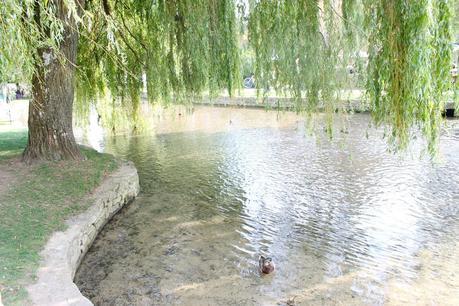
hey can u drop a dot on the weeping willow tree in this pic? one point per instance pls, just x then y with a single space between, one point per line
176 49
409 66
301 44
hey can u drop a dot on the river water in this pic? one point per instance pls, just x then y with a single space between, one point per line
345 221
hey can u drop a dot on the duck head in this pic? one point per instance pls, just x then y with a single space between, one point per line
266 264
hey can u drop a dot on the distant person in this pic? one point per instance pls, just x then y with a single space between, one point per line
19 92
454 73
6 94
2 94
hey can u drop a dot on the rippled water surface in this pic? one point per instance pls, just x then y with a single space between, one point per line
346 222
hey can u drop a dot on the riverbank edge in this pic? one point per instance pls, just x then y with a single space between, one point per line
288 104
64 251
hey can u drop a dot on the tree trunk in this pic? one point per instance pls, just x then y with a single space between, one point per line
50 109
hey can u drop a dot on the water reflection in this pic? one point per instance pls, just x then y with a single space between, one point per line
346 222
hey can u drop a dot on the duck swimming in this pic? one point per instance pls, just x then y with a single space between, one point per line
265 264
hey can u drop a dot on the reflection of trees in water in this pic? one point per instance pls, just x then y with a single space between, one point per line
186 163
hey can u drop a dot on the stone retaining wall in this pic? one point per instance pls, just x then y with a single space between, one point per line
65 250
276 103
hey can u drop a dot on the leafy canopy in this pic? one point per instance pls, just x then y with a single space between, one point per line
177 49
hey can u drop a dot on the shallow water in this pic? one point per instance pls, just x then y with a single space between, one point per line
346 222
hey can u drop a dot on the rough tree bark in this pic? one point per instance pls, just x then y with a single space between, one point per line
50 109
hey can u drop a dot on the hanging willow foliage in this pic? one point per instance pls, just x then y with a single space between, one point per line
409 66
175 49
291 52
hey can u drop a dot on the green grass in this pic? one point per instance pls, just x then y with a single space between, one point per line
12 144
40 199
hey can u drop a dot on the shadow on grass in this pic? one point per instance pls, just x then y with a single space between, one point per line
39 200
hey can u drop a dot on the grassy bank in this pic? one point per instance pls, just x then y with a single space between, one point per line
34 202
